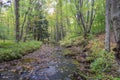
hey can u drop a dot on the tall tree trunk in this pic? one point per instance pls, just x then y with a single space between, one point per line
92 16
57 27
24 21
116 26
16 7
27 30
61 20
22 28
107 36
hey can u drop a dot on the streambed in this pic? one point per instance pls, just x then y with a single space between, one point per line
54 66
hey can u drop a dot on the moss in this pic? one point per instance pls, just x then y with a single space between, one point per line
66 43
76 41
68 53
10 50
28 60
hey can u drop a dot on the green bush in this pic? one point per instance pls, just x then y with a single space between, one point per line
10 50
102 61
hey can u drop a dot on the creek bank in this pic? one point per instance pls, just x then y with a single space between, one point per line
81 57
93 61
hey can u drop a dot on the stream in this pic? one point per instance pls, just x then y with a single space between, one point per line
56 68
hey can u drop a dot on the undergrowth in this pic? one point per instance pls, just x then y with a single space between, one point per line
10 50
102 62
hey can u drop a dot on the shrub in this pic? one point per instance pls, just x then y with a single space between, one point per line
103 61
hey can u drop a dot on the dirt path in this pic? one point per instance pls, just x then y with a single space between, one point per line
45 64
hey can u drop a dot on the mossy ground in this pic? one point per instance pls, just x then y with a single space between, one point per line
10 50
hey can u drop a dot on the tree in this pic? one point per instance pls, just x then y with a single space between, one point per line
85 18
25 19
59 21
41 29
107 37
116 26
17 28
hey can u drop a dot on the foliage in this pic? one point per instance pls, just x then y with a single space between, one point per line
99 22
10 50
41 28
102 61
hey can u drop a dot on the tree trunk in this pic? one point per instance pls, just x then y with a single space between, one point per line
16 7
107 36
57 31
22 28
116 26
85 20
61 20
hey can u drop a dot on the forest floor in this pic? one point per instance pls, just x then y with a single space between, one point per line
71 62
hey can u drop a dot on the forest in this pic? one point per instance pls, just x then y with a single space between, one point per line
59 39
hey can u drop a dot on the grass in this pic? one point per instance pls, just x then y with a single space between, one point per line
10 50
